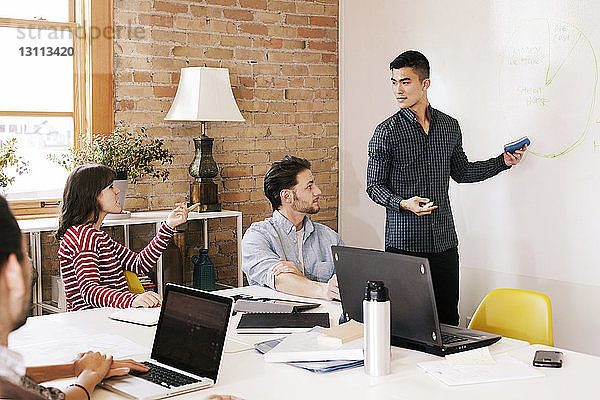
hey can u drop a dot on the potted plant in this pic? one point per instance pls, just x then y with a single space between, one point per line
9 159
132 155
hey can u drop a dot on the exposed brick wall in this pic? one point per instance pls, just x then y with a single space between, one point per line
282 58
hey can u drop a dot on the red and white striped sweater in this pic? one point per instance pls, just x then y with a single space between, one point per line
92 265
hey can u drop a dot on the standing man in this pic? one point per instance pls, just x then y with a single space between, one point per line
288 252
412 156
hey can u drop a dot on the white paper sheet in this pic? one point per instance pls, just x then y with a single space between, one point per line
480 356
65 350
506 368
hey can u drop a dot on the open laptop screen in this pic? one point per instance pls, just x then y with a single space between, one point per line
191 331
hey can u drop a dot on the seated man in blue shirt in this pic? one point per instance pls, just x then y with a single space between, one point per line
288 252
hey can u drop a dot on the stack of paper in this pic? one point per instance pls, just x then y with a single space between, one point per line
305 347
321 367
503 368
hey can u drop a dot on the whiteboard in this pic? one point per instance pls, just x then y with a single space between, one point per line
504 69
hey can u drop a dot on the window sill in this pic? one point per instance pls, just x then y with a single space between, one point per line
35 208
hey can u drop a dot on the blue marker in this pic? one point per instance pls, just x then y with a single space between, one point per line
517 144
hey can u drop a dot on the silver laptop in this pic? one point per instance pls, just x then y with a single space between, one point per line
414 316
188 346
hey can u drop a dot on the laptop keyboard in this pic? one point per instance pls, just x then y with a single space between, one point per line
163 376
448 338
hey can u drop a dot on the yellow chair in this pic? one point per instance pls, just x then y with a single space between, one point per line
133 283
516 313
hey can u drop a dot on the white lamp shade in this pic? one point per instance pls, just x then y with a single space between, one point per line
204 94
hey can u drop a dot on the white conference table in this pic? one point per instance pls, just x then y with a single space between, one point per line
244 373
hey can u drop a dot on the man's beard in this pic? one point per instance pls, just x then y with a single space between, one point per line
307 209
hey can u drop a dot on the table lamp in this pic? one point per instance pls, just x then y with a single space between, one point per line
204 94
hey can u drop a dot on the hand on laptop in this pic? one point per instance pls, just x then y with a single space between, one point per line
92 363
123 367
91 368
285 267
332 291
147 300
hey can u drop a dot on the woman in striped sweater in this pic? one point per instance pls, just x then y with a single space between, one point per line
91 263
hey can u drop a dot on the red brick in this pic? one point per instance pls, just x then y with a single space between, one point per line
164 91
292 19
285 6
323 21
124 105
235 197
222 2
235 41
298 94
210 12
322 45
270 43
254 29
218 53
141 76
315 33
238 15
235 171
172 8
256 4
156 20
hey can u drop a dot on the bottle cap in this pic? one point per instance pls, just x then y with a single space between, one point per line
376 291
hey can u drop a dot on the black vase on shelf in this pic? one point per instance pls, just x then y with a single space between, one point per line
204 271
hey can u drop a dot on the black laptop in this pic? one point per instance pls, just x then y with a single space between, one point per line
188 346
414 316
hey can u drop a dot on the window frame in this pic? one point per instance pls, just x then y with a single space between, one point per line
93 109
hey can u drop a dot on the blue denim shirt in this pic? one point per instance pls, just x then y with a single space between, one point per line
265 242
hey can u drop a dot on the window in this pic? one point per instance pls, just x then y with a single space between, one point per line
47 69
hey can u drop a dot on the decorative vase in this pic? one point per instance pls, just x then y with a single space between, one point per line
204 271
121 182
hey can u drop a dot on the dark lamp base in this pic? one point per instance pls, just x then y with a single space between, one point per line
204 193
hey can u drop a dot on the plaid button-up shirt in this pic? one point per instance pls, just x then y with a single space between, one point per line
404 162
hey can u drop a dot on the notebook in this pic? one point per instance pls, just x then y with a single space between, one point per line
281 322
188 346
266 305
312 366
414 316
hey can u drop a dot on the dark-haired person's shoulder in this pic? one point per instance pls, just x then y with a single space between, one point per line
82 236
388 122
9 390
443 117
324 231
264 226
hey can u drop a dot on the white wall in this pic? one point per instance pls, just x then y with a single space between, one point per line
503 69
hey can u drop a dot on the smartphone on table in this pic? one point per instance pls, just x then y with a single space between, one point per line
547 358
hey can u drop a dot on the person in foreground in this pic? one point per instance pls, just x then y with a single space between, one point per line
92 265
16 381
288 252
412 156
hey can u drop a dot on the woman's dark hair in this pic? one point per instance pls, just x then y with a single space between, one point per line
80 197
10 234
282 175
414 60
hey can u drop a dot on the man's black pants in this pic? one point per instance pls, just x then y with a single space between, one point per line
444 276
